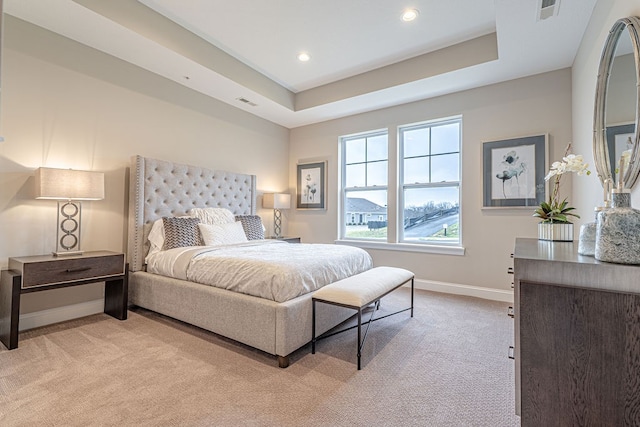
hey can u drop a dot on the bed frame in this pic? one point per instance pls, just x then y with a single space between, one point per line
159 188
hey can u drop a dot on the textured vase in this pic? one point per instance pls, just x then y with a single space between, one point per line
587 237
618 231
557 232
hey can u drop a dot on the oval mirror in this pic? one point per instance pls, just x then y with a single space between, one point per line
615 122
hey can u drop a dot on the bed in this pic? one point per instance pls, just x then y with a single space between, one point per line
278 326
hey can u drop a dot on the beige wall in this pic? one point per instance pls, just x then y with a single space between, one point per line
64 105
528 106
67 106
588 193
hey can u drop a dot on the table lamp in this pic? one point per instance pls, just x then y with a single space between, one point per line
69 187
276 201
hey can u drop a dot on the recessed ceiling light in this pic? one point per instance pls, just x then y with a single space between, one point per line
304 57
410 14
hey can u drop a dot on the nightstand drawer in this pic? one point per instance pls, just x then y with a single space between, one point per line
291 239
288 239
50 270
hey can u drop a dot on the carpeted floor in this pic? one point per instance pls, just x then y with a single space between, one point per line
447 366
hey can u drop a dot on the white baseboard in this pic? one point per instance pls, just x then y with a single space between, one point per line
60 314
471 291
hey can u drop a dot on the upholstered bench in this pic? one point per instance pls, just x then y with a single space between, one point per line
358 292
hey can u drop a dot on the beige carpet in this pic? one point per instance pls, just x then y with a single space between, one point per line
447 366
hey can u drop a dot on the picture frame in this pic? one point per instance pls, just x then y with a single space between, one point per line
513 172
619 139
311 188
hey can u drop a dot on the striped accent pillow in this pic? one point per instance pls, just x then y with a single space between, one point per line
180 232
252 225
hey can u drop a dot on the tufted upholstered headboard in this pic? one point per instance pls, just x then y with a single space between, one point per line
159 188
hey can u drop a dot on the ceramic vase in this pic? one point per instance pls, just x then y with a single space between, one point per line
618 231
587 238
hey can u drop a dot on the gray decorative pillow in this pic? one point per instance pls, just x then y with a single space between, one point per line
252 225
179 232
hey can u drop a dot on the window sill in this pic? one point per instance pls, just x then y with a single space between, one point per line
405 247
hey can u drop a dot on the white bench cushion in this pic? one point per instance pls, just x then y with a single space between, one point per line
364 288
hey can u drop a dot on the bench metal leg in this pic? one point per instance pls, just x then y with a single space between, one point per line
366 331
411 297
359 335
313 326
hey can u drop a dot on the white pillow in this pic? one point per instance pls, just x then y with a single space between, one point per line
222 234
156 237
212 215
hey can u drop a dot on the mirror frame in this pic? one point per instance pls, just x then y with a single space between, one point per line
600 148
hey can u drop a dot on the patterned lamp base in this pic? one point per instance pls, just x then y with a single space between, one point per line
277 223
68 235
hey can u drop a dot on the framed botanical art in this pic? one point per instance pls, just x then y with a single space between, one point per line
513 172
311 192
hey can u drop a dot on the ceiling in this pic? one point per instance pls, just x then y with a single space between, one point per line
363 55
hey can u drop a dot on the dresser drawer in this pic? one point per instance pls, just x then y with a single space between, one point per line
44 271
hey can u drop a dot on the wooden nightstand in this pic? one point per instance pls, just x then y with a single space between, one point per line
39 273
287 239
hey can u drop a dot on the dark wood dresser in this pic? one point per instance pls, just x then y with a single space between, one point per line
577 337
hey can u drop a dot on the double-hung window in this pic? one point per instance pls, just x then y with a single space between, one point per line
364 183
430 182
425 191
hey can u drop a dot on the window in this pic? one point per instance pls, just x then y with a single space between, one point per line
430 182
364 183
427 183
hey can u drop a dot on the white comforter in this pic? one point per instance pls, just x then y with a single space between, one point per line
268 269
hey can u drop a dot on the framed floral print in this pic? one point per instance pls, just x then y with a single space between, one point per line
311 192
514 171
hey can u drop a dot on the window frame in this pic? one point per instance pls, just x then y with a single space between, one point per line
344 189
395 240
402 186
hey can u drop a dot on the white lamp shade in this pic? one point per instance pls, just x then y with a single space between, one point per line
69 184
276 201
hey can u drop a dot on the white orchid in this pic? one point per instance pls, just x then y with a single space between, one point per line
571 163
554 210
575 163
